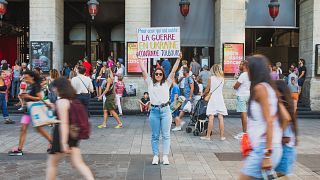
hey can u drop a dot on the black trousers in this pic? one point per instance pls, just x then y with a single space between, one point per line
84 98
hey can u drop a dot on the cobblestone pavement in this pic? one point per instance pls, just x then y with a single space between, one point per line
126 153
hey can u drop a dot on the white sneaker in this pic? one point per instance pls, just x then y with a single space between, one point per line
20 109
165 160
155 160
223 138
205 138
177 128
238 136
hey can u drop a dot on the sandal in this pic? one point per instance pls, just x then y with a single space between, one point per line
101 126
118 126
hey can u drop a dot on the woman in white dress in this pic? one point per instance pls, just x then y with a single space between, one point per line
216 105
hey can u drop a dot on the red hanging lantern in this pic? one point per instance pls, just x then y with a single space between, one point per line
184 7
93 8
274 6
3 8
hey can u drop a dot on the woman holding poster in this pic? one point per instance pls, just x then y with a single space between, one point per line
160 113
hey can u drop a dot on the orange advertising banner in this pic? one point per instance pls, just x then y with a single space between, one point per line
133 60
233 54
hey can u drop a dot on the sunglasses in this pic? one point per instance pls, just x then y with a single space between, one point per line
158 74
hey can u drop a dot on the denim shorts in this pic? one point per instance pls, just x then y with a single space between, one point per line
252 164
288 158
242 103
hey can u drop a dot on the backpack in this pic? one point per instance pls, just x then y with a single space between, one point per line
78 120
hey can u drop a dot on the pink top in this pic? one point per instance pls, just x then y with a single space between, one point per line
119 88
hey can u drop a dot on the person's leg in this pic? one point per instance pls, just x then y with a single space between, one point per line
166 120
141 107
105 118
44 133
23 135
244 117
118 101
155 128
210 125
221 125
116 116
13 86
4 107
52 165
179 119
18 87
79 164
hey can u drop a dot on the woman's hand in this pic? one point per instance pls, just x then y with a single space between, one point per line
100 98
266 163
65 148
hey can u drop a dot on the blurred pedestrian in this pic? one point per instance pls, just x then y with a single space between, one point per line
274 74
264 130
66 70
204 75
166 65
119 88
87 65
216 105
62 141
302 73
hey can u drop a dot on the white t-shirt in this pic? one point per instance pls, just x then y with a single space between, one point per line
82 86
244 89
159 94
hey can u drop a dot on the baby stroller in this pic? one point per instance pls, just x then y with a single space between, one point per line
198 119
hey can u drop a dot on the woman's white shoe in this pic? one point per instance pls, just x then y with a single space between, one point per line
155 160
165 160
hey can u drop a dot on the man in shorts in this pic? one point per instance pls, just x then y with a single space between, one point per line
242 88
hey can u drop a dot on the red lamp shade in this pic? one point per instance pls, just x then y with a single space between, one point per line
93 7
274 8
184 7
3 8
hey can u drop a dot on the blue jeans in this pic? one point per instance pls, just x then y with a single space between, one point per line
160 119
252 164
289 156
15 87
3 104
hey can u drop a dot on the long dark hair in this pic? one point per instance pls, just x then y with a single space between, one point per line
36 77
287 101
258 73
154 76
64 88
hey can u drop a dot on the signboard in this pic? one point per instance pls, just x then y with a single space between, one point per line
41 55
233 54
160 42
133 60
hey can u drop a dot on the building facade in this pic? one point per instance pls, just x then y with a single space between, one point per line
209 25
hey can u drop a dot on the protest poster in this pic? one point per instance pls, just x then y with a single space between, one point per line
233 54
158 42
133 60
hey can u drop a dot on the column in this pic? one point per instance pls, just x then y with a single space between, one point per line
46 24
229 24
309 36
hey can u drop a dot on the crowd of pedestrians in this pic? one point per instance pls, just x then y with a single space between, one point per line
266 99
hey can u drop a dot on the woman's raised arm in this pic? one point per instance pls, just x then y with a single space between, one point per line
144 71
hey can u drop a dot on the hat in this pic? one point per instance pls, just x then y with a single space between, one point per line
99 62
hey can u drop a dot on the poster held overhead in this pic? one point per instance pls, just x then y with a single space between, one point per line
158 42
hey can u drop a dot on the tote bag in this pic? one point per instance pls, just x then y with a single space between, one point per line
41 114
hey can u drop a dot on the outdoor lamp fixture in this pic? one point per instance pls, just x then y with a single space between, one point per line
3 8
184 7
93 8
274 6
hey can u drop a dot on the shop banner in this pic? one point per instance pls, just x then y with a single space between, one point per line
133 60
159 42
233 54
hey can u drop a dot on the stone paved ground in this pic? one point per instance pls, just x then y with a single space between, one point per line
126 153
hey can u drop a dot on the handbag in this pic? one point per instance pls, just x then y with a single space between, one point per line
187 107
208 96
245 145
41 114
